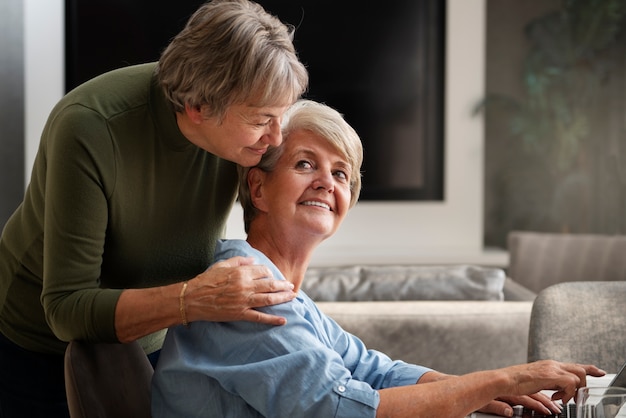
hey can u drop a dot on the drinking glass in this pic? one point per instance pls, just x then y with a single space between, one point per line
601 402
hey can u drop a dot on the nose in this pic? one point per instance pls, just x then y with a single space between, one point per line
324 180
274 136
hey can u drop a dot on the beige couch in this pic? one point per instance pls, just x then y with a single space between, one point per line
458 319
455 325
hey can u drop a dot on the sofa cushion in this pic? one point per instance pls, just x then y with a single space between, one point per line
390 283
541 259
451 337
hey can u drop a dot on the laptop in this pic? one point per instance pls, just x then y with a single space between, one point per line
609 380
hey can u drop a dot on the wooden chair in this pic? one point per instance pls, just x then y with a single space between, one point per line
107 380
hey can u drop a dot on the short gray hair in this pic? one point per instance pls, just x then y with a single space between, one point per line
231 52
322 120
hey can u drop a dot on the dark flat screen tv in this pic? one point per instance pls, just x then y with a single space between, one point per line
380 64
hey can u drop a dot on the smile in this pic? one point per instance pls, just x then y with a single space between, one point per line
259 151
319 204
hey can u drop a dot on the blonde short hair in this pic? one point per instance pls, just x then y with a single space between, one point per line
322 120
231 52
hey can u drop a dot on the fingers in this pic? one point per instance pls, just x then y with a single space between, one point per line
541 403
538 402
562 378
265 285
231 289
239 274
592 370
263 318
234 262
580 371
578 378
261 299
499 408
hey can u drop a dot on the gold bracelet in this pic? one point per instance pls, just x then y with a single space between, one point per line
181 299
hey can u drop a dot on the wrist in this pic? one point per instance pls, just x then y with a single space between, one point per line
182 305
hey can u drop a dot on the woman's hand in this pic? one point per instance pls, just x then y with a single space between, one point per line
503 406
514 385
538 402
230 289
562 378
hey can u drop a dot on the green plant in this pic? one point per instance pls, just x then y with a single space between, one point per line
558 121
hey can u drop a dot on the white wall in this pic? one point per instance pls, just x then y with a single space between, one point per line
44 67
374 232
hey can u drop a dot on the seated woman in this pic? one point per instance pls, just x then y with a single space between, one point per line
295 198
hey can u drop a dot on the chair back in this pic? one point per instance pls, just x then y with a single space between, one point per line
581 322
107 380
540 259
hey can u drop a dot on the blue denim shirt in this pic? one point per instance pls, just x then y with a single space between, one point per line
309 367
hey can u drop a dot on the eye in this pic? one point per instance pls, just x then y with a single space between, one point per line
341 174
304 165
264 123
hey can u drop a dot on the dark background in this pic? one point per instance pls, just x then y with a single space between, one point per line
381 66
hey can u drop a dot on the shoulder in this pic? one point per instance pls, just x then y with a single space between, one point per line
228 248
85 111
113 92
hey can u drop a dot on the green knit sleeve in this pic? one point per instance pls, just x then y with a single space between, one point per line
80 174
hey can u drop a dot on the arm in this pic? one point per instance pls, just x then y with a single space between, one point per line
226 359
108 257
503 405
317 369
458 396
228 291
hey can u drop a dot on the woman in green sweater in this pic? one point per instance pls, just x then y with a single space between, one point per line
131 187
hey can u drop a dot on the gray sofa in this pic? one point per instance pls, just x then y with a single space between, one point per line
455 319
458 319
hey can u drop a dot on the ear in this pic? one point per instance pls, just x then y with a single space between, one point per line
194 113
256 179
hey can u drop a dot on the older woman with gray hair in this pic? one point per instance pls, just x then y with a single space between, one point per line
295 198
133 183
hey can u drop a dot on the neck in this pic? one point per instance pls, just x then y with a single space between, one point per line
290 257
189 129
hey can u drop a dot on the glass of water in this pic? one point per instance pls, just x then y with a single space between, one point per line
601 402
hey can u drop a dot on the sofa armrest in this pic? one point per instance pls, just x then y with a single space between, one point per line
514 291
449 336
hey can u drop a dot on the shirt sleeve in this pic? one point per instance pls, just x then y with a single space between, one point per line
309 367
76 217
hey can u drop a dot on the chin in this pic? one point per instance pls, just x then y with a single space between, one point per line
247 161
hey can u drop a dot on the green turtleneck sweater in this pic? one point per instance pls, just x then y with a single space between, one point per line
118 199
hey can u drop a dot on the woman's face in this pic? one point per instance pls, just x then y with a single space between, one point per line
243 134
308 192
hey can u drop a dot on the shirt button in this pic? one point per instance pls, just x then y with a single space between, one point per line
341 389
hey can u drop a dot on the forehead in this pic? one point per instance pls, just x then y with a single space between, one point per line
306 141
248 110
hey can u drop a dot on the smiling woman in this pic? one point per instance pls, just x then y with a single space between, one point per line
308 190
296 197
133 208
243 133
312 119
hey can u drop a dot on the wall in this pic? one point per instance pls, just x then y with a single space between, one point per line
374 232
431 232
559 168
11 107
